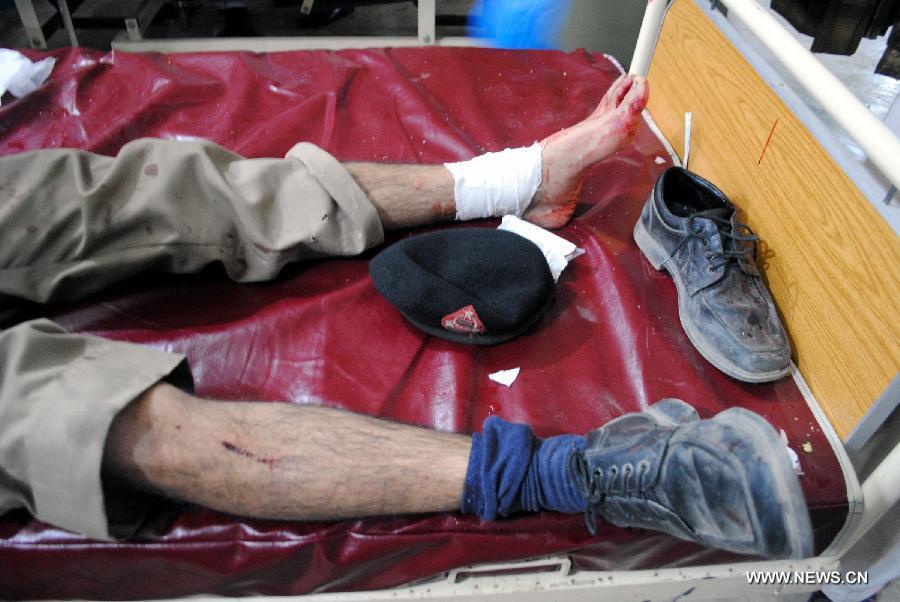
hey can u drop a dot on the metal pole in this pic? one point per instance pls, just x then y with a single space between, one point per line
67 21
427 14
880 493
646 42
31 23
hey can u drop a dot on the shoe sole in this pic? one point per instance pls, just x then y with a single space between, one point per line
797 524
658 257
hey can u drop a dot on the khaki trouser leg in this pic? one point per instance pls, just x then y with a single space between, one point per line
72 222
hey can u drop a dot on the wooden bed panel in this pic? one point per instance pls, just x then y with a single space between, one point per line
832 262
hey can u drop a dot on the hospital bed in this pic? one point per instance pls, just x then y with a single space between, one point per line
611 344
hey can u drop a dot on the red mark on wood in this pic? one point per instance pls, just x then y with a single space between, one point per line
768 140
270 462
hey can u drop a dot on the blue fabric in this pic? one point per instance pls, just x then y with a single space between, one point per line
520 23
511 470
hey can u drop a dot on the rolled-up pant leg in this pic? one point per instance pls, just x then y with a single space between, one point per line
71 223
59 393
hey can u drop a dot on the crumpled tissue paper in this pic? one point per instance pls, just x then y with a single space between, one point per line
19 75
557 251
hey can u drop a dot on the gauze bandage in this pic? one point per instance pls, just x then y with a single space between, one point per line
496 184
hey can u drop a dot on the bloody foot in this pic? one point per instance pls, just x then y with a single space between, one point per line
568 154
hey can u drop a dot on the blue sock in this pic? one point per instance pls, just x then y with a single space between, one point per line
512 470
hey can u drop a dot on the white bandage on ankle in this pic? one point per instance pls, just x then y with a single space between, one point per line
496 184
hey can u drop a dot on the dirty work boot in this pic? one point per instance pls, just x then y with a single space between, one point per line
726 482
689 228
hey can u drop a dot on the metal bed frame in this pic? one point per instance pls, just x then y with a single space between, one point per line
37 32
133 40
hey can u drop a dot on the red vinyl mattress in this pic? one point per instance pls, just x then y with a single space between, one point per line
320 334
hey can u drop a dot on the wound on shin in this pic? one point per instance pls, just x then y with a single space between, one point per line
270 462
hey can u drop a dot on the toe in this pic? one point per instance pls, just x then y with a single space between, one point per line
625 88
636 99
613 95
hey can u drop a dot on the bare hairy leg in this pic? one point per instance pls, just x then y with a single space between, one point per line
284 461
406 195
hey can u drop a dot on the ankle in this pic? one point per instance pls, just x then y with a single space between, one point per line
511 470
547 484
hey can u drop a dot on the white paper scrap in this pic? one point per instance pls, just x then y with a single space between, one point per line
795 459
19 76
505 377
688 118
659 160
557 251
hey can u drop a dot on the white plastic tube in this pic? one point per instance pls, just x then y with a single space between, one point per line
649 34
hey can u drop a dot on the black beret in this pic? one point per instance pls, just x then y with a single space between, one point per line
469 285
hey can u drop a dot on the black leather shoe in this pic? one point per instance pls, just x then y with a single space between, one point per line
689 228
726 482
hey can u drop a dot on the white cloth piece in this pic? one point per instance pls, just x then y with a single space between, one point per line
505 377
19 76
795 459
557 251
496 184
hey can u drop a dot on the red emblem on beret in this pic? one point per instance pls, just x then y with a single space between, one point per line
463 320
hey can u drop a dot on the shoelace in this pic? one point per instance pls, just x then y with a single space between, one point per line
732 249
595 485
